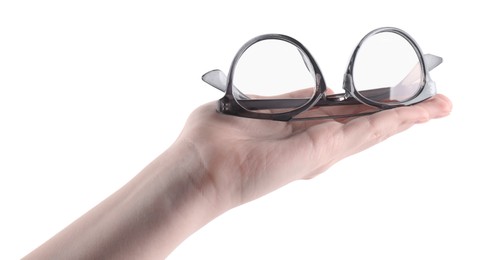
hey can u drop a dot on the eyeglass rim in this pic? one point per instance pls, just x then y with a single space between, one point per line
422 94
229 104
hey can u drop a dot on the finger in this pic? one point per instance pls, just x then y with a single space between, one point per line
328 142
438 106
367 131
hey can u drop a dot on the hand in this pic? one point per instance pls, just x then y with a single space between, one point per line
247 158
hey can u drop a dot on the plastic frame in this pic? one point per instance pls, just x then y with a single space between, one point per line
231 102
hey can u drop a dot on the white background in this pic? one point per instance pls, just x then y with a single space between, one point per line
92 91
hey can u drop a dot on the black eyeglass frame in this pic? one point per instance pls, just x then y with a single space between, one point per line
229 104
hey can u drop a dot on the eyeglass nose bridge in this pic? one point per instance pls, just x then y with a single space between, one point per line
348 86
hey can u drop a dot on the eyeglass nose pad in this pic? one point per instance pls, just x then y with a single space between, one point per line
348 84
308 64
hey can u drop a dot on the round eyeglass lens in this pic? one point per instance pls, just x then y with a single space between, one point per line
273 76
387 69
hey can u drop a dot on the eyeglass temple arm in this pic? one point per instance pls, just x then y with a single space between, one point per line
432 61
217 79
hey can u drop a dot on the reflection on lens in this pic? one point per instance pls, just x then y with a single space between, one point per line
273 76
387 69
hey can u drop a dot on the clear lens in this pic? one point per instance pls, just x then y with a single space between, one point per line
273 76
387 69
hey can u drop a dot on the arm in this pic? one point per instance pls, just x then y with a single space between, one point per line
220 162
145 219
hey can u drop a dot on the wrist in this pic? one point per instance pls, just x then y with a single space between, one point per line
182 169
179 187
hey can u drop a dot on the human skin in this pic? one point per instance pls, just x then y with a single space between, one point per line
217 163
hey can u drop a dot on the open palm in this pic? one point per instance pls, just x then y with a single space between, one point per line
247 158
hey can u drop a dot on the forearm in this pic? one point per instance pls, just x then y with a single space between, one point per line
147 218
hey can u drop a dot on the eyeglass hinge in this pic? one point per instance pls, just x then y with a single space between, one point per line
224 105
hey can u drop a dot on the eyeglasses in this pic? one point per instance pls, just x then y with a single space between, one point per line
274 76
